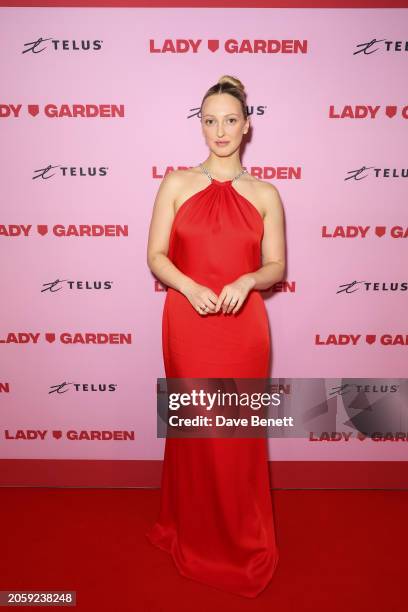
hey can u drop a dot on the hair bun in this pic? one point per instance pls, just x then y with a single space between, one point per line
230 85
226 78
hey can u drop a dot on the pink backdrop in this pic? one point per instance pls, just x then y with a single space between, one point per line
106 171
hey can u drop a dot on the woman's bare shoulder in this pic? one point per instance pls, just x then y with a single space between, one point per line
181 175
185 183
179 185
257 191
260 185
267 192
180 180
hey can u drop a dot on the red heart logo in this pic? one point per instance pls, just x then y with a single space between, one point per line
380 230
390 111
33 109
370 338
50 337
57 434
213 44
42 229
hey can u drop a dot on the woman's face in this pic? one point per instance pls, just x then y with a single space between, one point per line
222 121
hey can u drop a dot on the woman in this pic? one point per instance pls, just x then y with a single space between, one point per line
216 238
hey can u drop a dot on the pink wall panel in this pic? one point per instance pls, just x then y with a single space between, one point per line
321 110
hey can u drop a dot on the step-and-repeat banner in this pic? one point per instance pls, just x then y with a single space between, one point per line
97 106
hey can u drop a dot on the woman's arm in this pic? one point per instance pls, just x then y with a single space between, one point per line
159 234
273 243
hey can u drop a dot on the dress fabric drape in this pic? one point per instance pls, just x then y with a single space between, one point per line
216 516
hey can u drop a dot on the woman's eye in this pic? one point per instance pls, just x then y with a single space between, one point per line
208 121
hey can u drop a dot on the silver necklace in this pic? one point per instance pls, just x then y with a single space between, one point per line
204 169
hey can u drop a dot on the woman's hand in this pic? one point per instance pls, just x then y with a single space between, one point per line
234 294
202 298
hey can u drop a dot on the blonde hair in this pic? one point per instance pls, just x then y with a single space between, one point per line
231 85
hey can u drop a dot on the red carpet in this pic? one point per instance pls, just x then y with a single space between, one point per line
339 551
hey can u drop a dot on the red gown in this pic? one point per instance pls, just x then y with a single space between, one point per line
216 516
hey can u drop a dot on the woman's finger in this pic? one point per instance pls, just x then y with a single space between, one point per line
220 300
232 303
210 305
237 306
213 298
201 309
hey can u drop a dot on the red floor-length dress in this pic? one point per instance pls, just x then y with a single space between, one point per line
216 516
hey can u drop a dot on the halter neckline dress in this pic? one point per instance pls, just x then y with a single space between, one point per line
216 516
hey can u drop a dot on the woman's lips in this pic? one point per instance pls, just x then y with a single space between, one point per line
222 142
